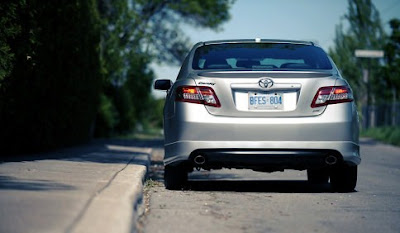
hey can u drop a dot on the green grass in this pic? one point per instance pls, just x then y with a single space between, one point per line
386 134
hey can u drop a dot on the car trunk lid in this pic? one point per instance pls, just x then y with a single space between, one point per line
244 94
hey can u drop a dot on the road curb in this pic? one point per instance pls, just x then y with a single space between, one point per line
117 207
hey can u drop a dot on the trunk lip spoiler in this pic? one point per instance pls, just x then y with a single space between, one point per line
261 74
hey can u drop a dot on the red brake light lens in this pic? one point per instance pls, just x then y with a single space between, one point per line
197 95
332 95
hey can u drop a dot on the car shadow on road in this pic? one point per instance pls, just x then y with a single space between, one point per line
232 183
266 186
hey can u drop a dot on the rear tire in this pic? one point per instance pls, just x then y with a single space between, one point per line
175 177
318 176
344 178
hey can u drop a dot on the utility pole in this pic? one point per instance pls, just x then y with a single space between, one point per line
368 54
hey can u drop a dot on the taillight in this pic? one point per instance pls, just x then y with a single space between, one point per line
332 95
198 95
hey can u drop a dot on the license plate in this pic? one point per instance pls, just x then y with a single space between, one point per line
261 101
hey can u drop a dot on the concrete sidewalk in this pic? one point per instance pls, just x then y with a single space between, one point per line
92 188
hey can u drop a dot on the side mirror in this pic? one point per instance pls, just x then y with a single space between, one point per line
163 84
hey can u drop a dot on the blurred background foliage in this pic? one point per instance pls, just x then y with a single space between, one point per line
365 31
71 70
377 97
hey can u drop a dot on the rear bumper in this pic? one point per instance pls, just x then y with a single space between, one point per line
264 160
192 129
347 152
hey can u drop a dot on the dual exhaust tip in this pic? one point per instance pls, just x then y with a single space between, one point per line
201 160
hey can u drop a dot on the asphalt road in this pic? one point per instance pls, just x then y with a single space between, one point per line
245 201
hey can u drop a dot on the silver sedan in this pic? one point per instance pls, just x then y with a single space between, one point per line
266 105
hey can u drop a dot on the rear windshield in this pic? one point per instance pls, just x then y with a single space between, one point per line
260 56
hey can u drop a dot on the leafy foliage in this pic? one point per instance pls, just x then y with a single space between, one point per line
49 98
386 134
11 28
134 34
391 71
71 69
365 32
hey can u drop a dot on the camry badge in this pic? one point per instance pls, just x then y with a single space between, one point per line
206 83
266 83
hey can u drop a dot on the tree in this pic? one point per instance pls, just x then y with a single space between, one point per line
391 71
365 32
11 27
135 33
50 95
161 23
343 55
68 65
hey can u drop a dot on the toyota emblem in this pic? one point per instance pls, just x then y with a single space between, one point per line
266 83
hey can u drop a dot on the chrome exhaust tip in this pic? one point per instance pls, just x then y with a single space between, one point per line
199 160
331 160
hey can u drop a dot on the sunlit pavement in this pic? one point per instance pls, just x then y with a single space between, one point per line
247 201
92 188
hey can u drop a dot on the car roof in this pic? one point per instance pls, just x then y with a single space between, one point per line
257 40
